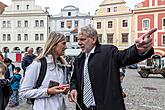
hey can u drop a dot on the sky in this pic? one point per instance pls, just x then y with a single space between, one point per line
85 6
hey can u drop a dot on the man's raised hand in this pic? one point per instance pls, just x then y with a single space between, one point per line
144 42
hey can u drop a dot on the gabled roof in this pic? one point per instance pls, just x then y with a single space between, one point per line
108 2
2 7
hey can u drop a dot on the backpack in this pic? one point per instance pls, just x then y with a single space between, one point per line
41 75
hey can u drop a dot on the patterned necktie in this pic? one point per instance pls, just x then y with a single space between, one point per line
87 90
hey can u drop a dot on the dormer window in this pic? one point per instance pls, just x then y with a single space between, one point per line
115 9
108 9
27 7
69 13
17 7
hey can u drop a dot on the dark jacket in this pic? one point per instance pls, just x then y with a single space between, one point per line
103 67
27 60
5 92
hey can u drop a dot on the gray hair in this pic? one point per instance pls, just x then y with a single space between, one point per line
88 31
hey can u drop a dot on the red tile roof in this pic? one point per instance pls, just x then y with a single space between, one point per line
2 7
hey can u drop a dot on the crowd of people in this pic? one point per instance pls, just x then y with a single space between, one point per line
93 84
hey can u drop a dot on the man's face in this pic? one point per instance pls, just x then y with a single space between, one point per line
86 43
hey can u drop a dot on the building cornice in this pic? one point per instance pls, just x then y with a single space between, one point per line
148 10
115 15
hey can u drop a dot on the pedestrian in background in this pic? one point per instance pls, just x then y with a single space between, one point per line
5 89
15 85
10 68
95 83
26 61
50 95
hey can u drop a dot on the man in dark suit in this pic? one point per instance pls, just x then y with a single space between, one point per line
103 90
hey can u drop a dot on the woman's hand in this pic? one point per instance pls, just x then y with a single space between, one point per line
65 87
58 89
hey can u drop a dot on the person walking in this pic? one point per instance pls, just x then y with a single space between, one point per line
95 83
50 95
15 85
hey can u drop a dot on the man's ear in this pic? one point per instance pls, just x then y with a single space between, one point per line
94 40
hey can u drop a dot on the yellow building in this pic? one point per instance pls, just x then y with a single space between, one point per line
114 23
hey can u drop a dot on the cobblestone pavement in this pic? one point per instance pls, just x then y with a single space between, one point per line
143 93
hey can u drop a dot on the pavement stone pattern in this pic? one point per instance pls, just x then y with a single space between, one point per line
143 93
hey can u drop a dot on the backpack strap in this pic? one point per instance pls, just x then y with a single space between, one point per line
42 72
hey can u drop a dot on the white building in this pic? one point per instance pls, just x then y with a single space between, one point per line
68 22
22 25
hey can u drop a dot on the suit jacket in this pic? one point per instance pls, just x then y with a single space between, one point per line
103 67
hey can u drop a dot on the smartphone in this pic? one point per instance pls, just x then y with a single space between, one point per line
53 83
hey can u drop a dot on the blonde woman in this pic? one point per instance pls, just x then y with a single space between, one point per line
48 98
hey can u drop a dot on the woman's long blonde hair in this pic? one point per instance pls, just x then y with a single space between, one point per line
50 45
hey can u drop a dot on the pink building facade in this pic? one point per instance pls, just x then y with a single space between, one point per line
149 14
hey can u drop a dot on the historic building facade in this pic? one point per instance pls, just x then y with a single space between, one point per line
149 14
23 25
114 23
68 22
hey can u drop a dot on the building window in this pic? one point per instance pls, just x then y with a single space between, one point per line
25 37
27 7
8 24
41 23
4 37
8 37
98 25
115 9
145 23
125 23
164 22
19 37
4 24
163 39
36 23
110 38
110 24
74 38
36 37
62 24
41 37
19 24
124 37
67 38
100 38
76 23
17 7
108 9
26 23
69 24
69 13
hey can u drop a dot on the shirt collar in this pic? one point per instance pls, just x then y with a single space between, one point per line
92 51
